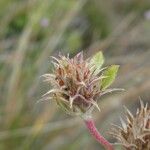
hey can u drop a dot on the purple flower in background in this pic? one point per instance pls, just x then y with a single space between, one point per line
44 22
147 15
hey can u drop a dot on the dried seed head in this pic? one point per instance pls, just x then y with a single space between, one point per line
135 134
76 83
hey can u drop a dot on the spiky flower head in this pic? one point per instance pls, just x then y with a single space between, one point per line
78 83
135 134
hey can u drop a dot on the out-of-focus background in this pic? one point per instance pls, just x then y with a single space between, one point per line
33 30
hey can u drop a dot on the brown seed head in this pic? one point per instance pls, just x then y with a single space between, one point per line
135 134
75 84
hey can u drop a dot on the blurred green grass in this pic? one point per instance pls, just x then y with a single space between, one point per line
33 30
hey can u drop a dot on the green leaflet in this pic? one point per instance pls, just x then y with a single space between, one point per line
110 74
97 61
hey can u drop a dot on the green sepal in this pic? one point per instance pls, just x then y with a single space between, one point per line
110 74
97 61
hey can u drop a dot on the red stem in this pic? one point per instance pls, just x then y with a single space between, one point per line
91 127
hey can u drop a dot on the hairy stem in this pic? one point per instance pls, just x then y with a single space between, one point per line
93 130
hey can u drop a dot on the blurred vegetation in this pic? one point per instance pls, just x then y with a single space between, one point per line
33 30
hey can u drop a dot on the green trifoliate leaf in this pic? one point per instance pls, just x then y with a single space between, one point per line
97 61
110 73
